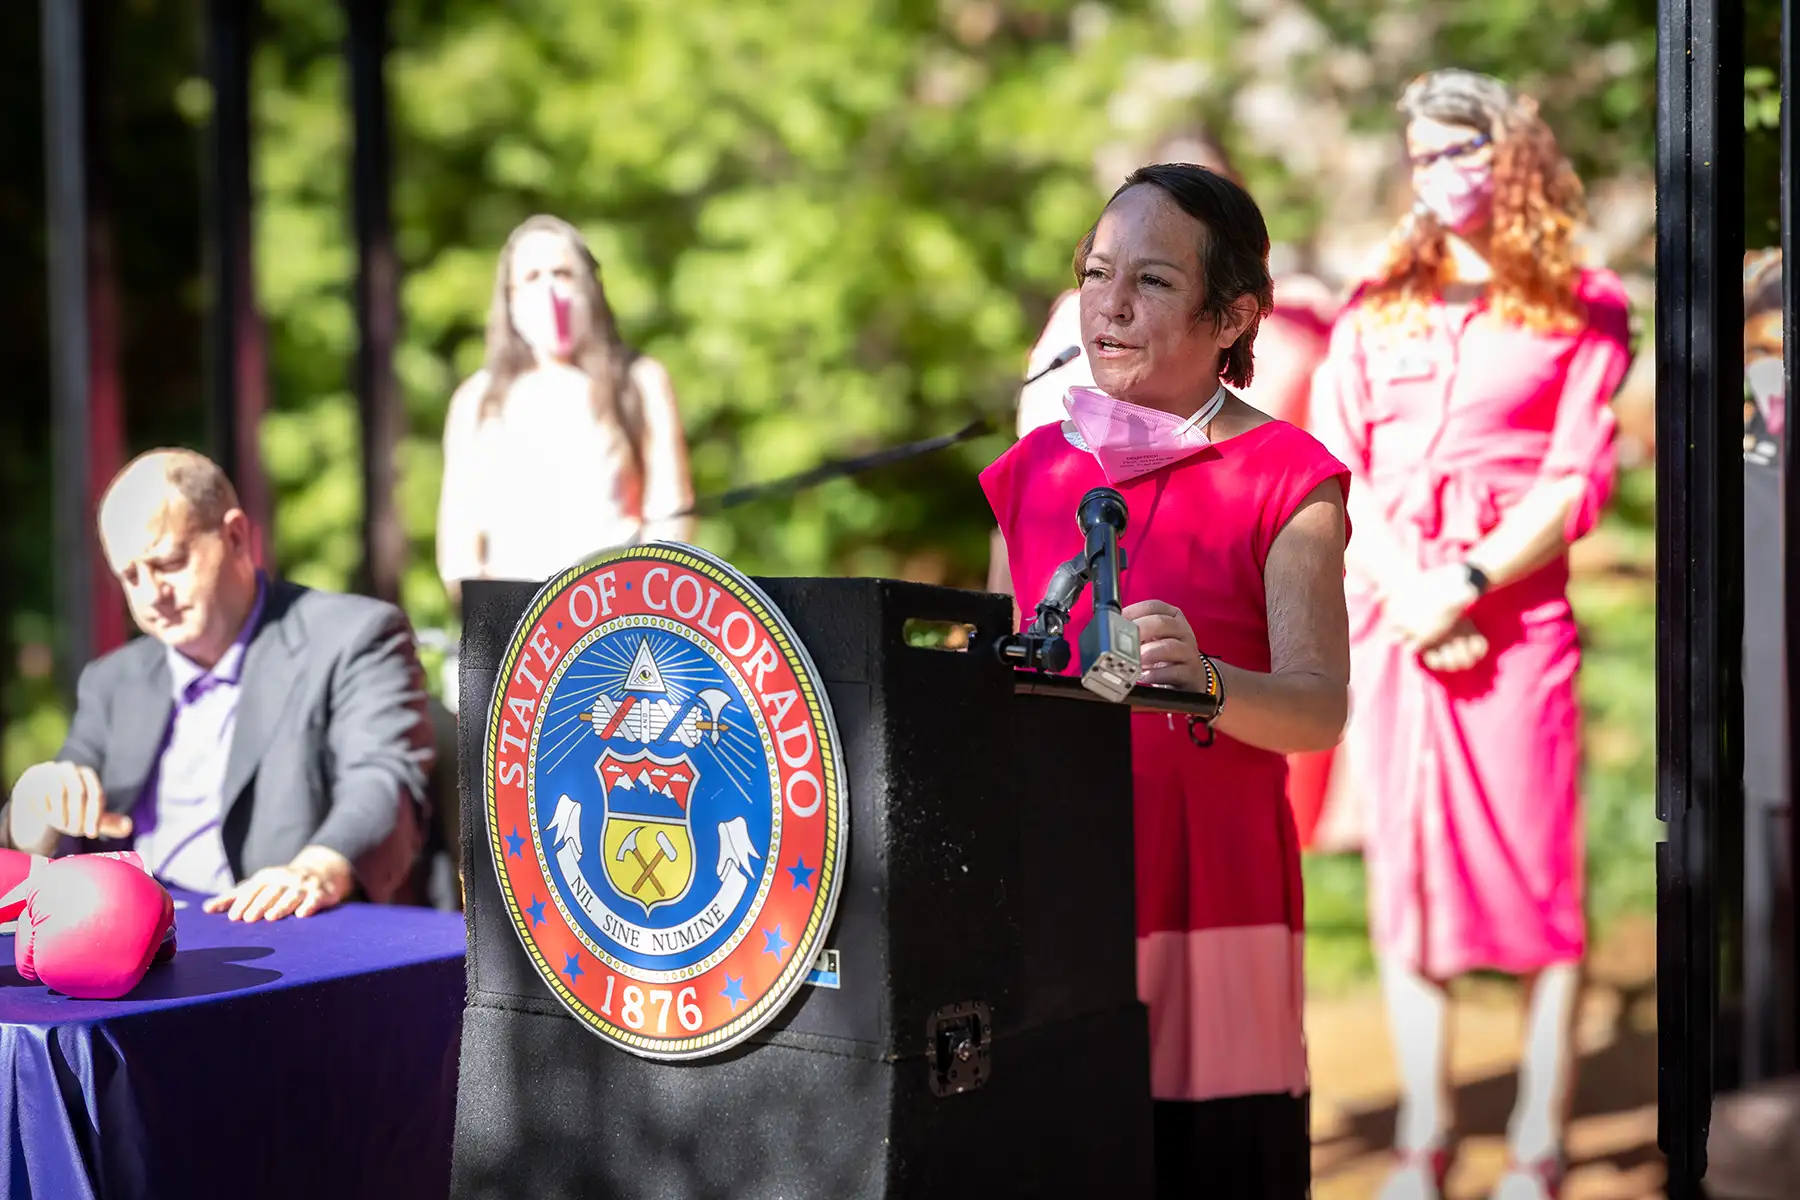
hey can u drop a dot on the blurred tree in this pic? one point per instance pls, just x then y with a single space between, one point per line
837 222
150 158
1762 123
1590 63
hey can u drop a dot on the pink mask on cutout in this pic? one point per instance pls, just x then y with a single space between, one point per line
1129 440
1456 194
559 312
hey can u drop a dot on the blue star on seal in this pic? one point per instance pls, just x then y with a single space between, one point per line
773 943
536 909
734 991
802 874
572 967
515 844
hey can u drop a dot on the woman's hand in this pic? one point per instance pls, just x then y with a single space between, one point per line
1459 650
1170 657
1427 607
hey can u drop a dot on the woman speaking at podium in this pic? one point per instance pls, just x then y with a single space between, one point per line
566 438
1235 563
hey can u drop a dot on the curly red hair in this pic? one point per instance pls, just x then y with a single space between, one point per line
1537 203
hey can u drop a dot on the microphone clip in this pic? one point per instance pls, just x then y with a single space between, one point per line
1043 646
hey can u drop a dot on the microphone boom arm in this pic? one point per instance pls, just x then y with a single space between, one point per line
839 468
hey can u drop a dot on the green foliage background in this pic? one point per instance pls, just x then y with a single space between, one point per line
834 221
839 222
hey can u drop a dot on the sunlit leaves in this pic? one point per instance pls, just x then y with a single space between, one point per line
837 222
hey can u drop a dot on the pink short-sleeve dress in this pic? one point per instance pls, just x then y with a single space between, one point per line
1470 779
1219 908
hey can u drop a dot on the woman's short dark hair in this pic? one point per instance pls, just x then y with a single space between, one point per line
1233 251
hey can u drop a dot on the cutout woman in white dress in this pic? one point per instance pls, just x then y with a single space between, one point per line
567 441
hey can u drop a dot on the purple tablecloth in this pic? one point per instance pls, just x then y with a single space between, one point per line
311 1058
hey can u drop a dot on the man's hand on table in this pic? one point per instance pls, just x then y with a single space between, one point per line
316 880
54 798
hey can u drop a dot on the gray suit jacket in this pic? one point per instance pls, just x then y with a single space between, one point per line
332 745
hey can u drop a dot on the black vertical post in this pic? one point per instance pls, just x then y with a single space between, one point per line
1699 563
65 145
377 299
237 381
105 380
1790 455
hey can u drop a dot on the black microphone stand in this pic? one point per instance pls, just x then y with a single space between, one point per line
1110 652
1109 645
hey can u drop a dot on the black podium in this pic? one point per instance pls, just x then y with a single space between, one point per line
985 1038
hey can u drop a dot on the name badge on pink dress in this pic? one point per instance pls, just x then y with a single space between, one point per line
1405 365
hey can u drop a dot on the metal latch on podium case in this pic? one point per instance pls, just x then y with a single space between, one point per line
958 1041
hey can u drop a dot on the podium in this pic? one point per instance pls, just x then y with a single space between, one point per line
983 1037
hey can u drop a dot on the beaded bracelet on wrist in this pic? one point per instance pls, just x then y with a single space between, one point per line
1215 687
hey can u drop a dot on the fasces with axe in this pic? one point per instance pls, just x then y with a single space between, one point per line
665 852
646 721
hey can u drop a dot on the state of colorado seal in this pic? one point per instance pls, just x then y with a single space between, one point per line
665 799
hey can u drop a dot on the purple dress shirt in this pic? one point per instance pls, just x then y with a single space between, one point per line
177 821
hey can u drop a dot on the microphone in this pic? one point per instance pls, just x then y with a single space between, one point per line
1069 355
1110 658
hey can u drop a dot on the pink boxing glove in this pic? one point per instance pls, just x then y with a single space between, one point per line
15 868
93 924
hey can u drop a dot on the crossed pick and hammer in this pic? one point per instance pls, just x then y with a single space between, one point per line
665 851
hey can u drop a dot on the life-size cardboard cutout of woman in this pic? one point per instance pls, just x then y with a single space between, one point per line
1469 387
567 441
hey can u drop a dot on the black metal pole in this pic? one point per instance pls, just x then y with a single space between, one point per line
237 381
377 299
106 378
1790 491
65 155
1699 562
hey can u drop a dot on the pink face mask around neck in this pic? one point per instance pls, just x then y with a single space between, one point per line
1129 440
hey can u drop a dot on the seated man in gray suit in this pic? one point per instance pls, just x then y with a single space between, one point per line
266 744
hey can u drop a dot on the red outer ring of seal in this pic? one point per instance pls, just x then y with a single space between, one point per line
753 982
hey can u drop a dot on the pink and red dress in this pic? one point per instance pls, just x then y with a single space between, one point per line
1219 901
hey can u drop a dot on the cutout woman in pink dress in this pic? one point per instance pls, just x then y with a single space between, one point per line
567 441
1235 561
1468 387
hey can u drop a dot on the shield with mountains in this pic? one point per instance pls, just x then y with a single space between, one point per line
648 845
